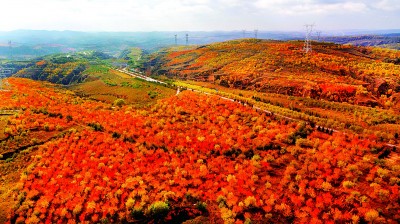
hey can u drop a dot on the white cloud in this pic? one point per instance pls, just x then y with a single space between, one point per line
388 5
293 7
101 14
148 15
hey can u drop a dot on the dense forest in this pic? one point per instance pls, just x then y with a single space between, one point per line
212 161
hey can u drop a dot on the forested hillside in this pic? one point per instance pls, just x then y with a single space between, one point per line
341 73
62 68
189 157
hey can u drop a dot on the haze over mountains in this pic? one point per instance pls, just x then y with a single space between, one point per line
27 44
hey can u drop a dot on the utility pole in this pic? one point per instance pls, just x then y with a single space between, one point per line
187 39
255 33
176 39
307 43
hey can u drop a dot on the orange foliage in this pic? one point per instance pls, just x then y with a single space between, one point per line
117 164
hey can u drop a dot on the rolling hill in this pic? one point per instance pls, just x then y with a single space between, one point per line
90 74
340 73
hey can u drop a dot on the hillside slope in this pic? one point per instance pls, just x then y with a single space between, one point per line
190 156
387 40
90 74
107 85
62 68
364 76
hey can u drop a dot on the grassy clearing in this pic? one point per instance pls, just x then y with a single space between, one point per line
108 85
135 58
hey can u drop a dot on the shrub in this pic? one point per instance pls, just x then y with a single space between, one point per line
250 201
8 131
355 218
326 186
348 184
34 141
46 127
353 168
130 203
69 118
303 142
159 209
77 210
152 94
96 126
202 206
247 221
59 128
119 102
383 194
256 157
371 215
116 135
382 172
227 215
221 200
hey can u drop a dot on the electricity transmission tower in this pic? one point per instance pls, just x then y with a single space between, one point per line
244 33
9 48
307 43
318 35
255 33
176 39
187 39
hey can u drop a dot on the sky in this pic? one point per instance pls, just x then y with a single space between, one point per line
198 15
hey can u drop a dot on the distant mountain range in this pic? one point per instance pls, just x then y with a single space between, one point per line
26 44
